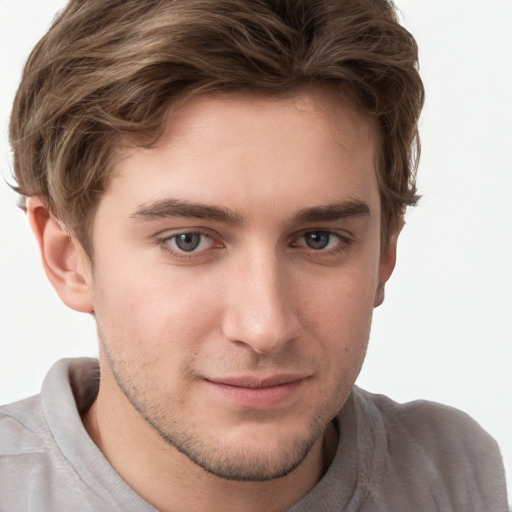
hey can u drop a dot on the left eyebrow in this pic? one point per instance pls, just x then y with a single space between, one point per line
169 208
334 211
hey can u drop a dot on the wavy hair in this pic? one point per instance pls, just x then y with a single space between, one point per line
111 69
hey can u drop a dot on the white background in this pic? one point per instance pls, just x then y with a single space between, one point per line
444 332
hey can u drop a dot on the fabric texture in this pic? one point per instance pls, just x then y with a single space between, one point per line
391 457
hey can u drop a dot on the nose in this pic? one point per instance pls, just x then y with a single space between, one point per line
261 305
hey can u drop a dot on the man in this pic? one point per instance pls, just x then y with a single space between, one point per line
222 184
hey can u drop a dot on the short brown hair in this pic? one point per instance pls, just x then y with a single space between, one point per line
108 69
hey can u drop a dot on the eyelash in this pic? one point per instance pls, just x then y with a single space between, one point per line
344 241
165 242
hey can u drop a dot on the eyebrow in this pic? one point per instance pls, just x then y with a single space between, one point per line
171 208
334 211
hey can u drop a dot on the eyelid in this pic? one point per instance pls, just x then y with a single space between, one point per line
342 234
345 239
164 238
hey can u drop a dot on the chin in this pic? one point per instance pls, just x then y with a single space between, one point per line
248 462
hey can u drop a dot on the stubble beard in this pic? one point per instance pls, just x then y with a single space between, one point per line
237 464
226 462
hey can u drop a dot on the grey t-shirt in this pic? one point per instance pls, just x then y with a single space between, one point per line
415 457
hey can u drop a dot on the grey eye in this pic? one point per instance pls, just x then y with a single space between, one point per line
188 242
317 239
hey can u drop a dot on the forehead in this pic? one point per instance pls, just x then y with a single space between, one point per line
319 106
243 150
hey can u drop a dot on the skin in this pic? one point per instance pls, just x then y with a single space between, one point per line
281 198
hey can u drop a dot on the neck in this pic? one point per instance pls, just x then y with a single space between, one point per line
170 482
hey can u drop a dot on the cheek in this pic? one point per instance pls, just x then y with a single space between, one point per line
343 304
339 316
148 313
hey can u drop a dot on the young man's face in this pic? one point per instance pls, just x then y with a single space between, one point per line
236 267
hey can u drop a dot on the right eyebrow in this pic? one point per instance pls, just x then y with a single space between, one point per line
335 211
169 208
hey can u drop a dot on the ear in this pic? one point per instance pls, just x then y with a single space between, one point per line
64 260
387 264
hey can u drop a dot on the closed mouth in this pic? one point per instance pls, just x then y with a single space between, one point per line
253 382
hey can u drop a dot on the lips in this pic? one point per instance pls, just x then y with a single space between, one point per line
258 383
251 392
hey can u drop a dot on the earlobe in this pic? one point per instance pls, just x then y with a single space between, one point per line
386 266
64 260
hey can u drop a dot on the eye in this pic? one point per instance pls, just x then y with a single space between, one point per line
189 242
319 240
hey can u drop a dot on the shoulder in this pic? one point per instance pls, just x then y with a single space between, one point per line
25 463
431 425
34 473
433 452
22 427
32 425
